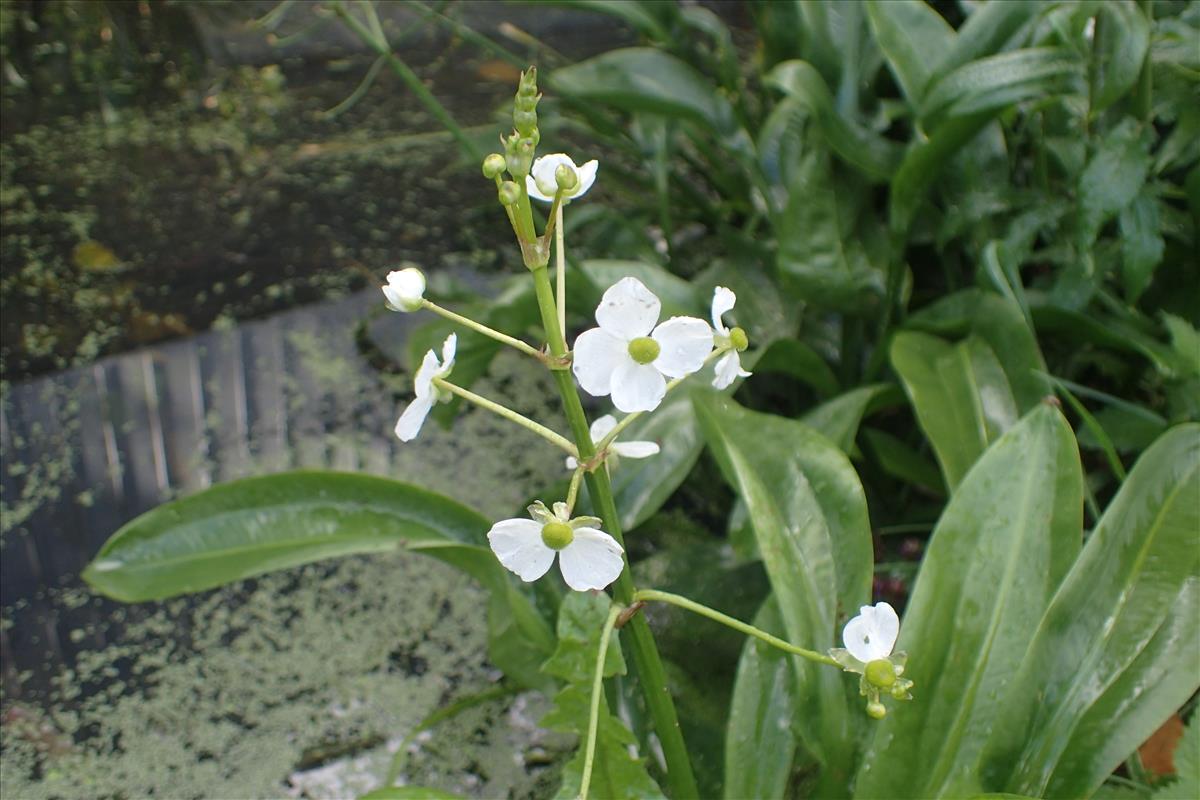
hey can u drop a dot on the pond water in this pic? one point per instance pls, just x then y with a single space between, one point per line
187 286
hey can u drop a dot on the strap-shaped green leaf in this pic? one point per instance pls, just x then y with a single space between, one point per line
912 36
1006 539
809 517
959 393
244 528
1116 651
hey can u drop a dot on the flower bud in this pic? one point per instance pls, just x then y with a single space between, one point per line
510 193
565 177
405 289
493 166
519 155
876 710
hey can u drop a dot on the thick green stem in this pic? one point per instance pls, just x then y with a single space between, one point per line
646 660
650 595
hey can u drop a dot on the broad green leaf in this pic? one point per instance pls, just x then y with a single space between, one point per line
641 486
1105 331
759 743
1112 178
646 79
1141 245
867 152
1000 322
247 527
990 84
959 105
615 773
1117 649
838 419
911 35
1003 544
410 793
1186 784
820 260
991 27
809 516
1122 39
581 618
794 357
960 395
634 14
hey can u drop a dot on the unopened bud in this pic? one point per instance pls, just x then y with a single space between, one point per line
510 193
519 155
876 710
493 165
565 177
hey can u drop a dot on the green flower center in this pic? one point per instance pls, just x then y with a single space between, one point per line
739 340
557 535
643 349
879 672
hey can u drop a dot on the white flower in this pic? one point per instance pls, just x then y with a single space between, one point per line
542 185
872 634
405 289
601 428
588 557
628 357
410 422
729 366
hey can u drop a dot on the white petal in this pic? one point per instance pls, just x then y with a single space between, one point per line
591 561
597 356
518 545
572 463
628 309
405 289
637 387
872 634
449 347
723 300
540 182
729 369
587 176
423 383
635 449
410 422
602 427
685 343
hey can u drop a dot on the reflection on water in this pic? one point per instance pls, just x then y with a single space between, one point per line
86 450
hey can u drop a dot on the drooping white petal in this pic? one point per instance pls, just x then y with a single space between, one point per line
518 545
601 427
637 387
449 348
597 356
405 289
587 176
872 634
628 309
540 182
728 369
410 422
423 382
685 342
723 300
635 449
591 561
